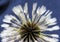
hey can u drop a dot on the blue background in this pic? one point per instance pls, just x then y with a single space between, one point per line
7 5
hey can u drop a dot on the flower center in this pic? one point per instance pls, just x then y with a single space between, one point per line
29 31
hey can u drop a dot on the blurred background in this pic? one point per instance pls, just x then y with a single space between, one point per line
7 5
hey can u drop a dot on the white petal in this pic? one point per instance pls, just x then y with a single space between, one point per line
15 25
5 40
26 8
12 41
33 17
18 37
23 18
36 41
9 39
16 20
8 17
38 10
41 20
8 33
42 27
55 35
49 14
52 24
41 10
53 28
26 12
8 28
6 20
28 18
50 21
17 10
20 40
34 8
50 39
44 18
48 17
5 25
33 11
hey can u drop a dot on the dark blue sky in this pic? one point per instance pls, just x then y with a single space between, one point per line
7 5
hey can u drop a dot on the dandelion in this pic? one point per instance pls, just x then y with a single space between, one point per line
26 29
